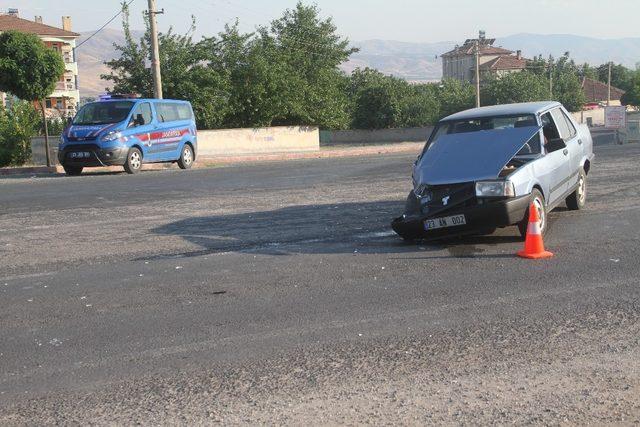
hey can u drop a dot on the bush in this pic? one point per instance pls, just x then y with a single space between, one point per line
18 125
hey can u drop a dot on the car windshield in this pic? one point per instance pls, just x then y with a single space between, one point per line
490 123
103 113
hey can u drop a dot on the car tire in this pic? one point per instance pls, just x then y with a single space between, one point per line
133 164
73 170
186 157
578 199
536 198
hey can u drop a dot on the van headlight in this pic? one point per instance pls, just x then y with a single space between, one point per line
495 189
111 136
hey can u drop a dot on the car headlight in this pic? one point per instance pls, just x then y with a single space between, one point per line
495 189
111 136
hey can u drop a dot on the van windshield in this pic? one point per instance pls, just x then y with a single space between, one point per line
103 113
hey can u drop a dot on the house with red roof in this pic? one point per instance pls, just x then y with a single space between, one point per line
460 62
66 96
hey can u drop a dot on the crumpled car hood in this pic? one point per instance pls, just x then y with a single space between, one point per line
472 156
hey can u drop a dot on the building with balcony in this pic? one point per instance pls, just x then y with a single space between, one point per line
66 96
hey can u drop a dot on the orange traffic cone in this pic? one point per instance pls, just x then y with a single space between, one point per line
534 246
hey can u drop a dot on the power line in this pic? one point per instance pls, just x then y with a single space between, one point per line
104 26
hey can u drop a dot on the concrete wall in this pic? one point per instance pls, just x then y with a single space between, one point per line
231 142
227 142
38 153
380 136
597 116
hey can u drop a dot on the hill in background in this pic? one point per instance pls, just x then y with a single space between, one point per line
411 61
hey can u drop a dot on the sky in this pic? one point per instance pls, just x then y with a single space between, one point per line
402 20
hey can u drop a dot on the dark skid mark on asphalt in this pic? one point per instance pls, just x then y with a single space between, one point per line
313 229
306 229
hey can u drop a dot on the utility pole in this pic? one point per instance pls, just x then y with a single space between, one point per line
550 80
609 86
155 50
477 55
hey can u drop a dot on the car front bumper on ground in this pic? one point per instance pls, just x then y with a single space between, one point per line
89 155
481 217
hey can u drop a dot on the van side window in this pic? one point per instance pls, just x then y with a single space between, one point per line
184 112
173 111
142 115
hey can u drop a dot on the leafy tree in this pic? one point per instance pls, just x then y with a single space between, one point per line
380 101
29 70
632 96
309 51
455 96
621 76
524 86
186 73
567 89
18 124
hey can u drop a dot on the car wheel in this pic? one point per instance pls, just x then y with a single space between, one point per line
186 158
578 199
134 161
72 170
536 199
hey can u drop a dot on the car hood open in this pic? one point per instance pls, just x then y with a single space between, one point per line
472 156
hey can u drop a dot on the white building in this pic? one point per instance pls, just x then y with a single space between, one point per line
66 97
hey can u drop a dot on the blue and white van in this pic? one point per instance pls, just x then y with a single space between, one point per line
128 132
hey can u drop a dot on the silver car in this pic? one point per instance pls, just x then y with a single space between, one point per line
482 168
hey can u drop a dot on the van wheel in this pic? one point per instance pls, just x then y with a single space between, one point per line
538 200
73 170
134 161
578 199
186 157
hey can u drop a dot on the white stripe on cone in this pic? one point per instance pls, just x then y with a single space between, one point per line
534 228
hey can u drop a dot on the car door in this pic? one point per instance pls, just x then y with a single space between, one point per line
575 146
142 127
555 169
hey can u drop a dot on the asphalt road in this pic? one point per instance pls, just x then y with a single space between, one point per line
276 293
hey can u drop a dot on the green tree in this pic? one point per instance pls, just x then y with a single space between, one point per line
18 124
29 70
524 86
455 96
632 96
621 76
185 67
308 51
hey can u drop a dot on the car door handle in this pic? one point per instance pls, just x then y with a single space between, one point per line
565 152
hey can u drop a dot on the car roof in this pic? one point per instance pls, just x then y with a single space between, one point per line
503 110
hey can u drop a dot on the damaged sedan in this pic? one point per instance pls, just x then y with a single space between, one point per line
482 168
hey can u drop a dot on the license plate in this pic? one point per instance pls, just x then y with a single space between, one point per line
80 155
448 221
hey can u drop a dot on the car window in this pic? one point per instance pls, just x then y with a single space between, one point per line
184 112
167 111
566 132
572 129
552 139
484 123
143 111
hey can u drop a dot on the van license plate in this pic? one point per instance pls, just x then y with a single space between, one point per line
448 221
80 155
